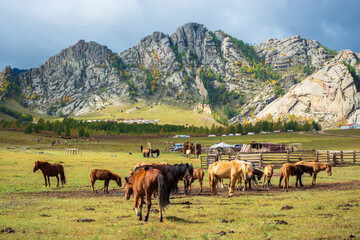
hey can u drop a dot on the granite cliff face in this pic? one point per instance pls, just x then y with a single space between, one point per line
330 95
194 66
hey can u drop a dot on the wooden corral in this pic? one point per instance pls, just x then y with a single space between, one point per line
279 158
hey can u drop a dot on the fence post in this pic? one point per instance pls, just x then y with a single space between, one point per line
261 160
341 157
327 156
300 158
334 158
288 156
317 155
354 157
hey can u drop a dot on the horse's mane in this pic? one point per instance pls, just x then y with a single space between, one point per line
177 170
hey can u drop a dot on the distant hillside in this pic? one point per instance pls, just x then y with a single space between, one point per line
193 66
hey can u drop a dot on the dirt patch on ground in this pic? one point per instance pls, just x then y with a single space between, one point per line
222 192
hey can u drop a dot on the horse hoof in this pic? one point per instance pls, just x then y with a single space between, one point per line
231 194
145 219
160 220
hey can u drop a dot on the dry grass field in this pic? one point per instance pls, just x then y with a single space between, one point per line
330 210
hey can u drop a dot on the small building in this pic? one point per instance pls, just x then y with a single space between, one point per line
351 126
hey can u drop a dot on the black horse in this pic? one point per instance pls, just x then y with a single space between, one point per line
173 173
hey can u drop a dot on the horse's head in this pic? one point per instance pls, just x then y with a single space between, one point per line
328 169
118 181
128 189
259 174
36 166
249 169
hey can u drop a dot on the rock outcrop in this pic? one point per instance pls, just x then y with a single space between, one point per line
291 51
330 95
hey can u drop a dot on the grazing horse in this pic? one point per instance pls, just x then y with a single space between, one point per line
289 169
147 152
143 182
268 172
317 167
50 170
233 170
199 175
106 175
173 173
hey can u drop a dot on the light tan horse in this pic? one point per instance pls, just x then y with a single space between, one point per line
317 167
199 175
233 170
268 172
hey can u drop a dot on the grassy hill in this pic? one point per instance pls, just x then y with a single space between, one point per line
179 115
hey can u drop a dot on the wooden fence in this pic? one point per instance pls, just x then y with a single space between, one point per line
279 158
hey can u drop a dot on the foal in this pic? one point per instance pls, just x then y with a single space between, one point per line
106 175
199 175
268 172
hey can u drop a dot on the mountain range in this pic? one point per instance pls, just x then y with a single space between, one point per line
207 70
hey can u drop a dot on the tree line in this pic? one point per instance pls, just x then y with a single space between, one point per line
76 128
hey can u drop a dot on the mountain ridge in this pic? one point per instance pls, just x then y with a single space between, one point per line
193 66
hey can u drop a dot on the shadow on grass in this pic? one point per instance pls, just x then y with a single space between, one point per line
180 220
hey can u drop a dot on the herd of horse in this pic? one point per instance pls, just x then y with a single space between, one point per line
161 179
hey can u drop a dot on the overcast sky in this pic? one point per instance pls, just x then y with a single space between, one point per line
31 31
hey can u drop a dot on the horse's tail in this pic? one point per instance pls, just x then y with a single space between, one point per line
62 175
163 192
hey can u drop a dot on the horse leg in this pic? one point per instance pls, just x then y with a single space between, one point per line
136 203
221 183
314 179
106 186
48 177
185 186
232 184
281 177
148 203
140 207
57 178
45 180
200 181
92 184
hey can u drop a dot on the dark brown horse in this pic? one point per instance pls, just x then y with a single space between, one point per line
106 175
142 183
173 173
147 152
50 170
289 169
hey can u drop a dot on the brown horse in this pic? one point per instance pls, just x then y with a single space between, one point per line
317 167
233 170
50 170
173 173
143 182
106 175
199 175
147 152
268 172
289 169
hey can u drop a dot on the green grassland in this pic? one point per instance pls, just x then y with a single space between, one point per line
178 115
328 211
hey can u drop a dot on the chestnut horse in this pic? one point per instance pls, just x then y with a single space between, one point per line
106 175
268 172
173 173
143 182
289 169
199 175
233 170
317 167
50 170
